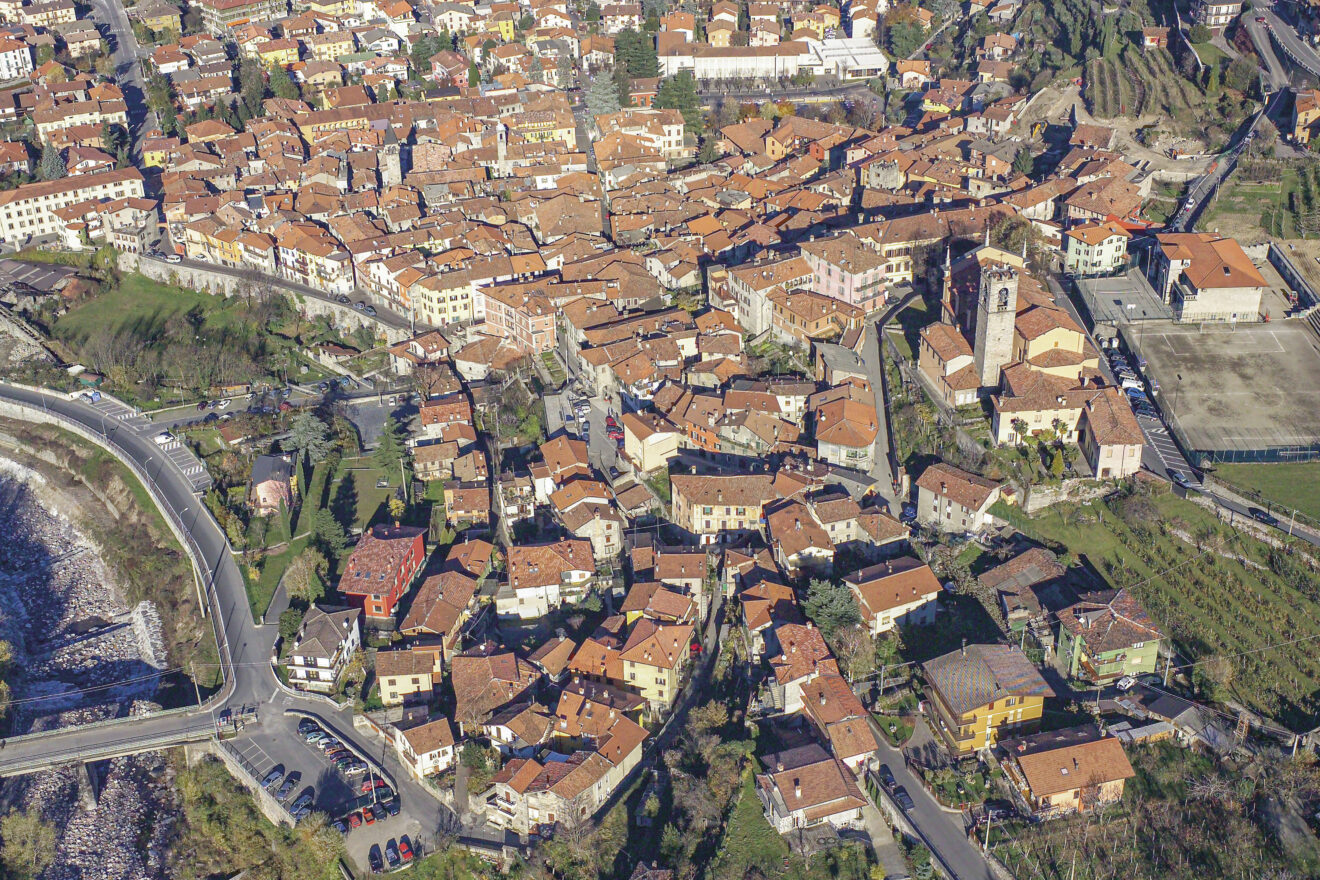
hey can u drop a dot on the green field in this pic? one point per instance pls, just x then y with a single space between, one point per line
1295 486
1257 202
136 302
1222 613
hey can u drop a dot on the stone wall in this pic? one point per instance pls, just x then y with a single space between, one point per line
1043 495
231 282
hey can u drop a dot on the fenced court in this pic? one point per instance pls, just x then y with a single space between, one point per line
1249 392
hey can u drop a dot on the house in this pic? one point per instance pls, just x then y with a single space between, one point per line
840 719
442 605
1154 38
520 729
1304 121
272 485
980 692
953 500
1216 14
805 786
405 676
1028 586
1110 436
542 576
1095 248
650 440
845 434
426 749
1100 641
899 592
654 657
1073 770
719 508
382 567
1206 277
326 641
487 677
801 545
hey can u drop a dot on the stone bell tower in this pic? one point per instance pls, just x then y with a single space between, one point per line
996 310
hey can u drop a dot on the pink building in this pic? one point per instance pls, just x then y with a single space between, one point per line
844 268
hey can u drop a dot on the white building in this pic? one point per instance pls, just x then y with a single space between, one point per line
325 643
1095 248
15 59
855 57
29 211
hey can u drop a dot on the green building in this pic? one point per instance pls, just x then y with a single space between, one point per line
1101 640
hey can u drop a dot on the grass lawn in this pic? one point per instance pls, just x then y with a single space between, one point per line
905 328
356 480
1211 605
1210 54
1292 485
262 589
136 301
896 728
1247 208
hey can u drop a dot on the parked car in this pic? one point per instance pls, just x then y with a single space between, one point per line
304 800
339 826
375 860
328 743
359 305
392 807
1181 479
307 726
904 799
341 299
1125 683
173 258
1263 516
315 736
370 310
392 853
405 849
356 768
354 819
201 405
286 789
222 404
887 777
272 778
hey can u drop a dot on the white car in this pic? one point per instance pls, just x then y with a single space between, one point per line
223 404
173 258
1125 683
164 438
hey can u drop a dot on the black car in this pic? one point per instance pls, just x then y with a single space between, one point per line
375 860
887 777
307 726
339 826
904 799
287 788
392 807
1262 516
392 853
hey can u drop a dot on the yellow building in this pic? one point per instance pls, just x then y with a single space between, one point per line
156 151
329 46
981 693
330 8
279 53
405 676
653 660
161 18
503 25
1305 115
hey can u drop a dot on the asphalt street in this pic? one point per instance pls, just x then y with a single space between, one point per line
1292 46
128 68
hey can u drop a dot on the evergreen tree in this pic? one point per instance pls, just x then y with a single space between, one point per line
281 85
52 166
389 448
603 95
679 93
251 85
637 53
1023 162
474 75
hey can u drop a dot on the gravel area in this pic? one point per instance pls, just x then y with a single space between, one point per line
80 655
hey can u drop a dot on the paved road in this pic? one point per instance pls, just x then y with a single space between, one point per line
1294 47
1200 192
944 831
872 356
128 68
1276 73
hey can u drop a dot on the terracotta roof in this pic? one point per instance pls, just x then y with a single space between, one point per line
376 559
892 584
1077 766
430 737
947 481
1110 626
541 565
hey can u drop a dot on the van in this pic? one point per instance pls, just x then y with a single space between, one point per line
1132 383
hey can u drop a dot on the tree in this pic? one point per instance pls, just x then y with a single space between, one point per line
398 507
603 95
831 606
282 85
28 844
310 436
113 138
593 12
327 533
52 165
304 579
290 623
905 38
1199 33
1241 75
564 70
679 92
389 447
636 52
474 75
251 85
1023 162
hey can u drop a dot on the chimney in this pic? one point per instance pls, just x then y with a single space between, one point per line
1076 766
964 647
797 788
822 698
779 766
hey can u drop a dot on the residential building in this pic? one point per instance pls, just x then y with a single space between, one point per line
1216 14
381 568
898 592
1095 248
1101 640
486 678
428 748
981 692
1304 121
654 658
805 786
1074 770
543 576
326 642
650 440
272 486
719 509
953 500
1110 436
29 211
406 676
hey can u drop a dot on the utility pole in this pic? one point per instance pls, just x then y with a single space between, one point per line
1168 661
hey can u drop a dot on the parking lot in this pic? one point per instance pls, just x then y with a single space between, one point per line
276 745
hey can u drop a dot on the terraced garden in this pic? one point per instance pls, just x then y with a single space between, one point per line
1226 599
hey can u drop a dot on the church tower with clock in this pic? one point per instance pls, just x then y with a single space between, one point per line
996 311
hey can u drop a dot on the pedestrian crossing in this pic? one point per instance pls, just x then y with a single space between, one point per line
116 413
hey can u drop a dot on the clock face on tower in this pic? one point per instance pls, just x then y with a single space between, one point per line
1003 297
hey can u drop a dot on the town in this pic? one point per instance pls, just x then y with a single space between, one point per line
680 439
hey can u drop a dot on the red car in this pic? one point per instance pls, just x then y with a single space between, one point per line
354 820
369 816
405 851
609 420
368 785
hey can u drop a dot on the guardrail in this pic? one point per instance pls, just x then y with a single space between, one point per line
111 749
208 596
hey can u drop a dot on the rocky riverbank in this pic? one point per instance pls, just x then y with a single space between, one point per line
80 653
